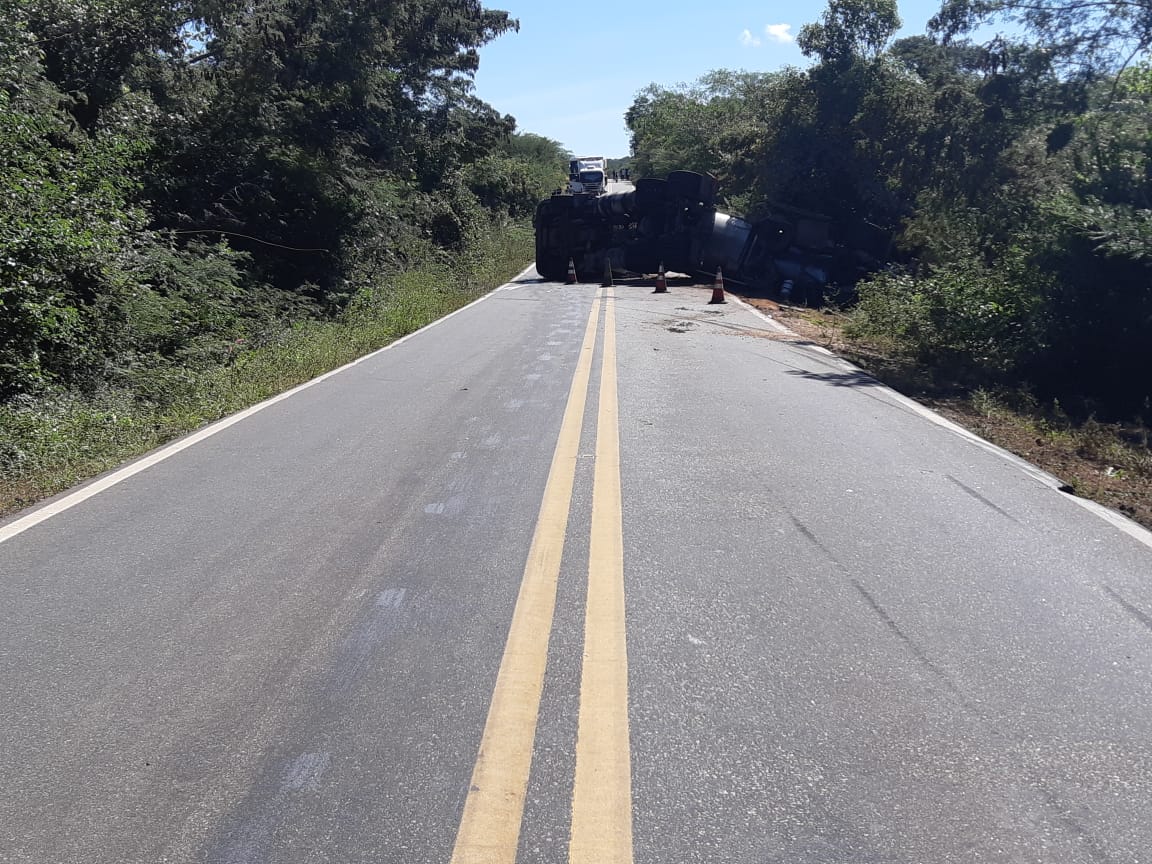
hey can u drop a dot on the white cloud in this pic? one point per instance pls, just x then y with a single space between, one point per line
778 32
748 40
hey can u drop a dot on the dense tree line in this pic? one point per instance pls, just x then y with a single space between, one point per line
179 176
1013 177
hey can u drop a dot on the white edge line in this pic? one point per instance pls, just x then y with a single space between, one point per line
1113 517
1118 520
53 508
766 318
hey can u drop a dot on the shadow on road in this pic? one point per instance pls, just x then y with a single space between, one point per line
838 379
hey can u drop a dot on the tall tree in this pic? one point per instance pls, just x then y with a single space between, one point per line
850 30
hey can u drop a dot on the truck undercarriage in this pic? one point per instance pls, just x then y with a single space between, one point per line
674 222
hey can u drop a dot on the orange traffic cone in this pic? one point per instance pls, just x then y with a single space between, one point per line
571 280
661 281
607 283
718 288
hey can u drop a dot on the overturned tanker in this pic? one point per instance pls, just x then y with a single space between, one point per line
674 222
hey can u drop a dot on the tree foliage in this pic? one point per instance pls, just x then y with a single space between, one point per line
176 175
1014 178
1095 36
850 30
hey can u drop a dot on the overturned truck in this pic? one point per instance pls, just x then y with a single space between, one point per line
674 222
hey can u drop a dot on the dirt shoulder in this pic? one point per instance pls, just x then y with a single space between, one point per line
1108 463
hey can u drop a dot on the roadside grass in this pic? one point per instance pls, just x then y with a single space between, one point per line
49 445
1110 463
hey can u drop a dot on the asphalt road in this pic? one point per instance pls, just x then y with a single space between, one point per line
571 577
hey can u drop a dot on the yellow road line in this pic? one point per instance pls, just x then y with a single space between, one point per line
490 825
602 793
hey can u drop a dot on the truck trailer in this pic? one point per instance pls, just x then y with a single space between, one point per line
674 221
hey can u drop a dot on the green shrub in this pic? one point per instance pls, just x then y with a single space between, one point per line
965 316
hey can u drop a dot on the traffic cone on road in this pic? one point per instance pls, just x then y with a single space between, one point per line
571 280
718 288
661 281
607 283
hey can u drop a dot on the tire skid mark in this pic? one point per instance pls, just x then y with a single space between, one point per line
301 775
912 645
454 506
391 598
982 499
917 651
272 795
803 529
1137 613
886 618
354 656
1047 799
305 772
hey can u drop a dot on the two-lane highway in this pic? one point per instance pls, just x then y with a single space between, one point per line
578 574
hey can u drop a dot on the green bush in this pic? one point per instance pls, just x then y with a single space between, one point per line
964 316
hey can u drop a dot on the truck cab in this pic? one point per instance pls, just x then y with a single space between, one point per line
588 175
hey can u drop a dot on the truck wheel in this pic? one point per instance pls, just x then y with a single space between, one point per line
551 268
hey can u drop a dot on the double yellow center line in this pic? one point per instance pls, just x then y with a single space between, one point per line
602 791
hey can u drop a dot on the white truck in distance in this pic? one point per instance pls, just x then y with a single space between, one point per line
589 175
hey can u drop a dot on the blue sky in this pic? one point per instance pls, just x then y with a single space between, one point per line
574 68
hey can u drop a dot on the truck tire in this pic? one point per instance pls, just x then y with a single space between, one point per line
551 268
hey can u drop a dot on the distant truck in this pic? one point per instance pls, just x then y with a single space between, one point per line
588 175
